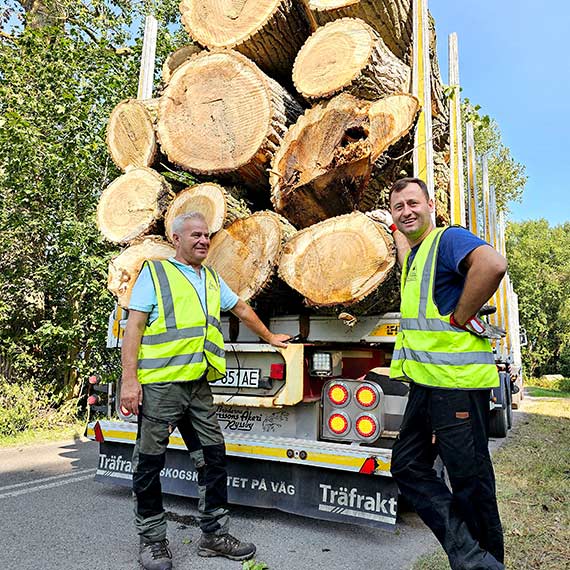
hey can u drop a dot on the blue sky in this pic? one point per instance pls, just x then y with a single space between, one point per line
515 63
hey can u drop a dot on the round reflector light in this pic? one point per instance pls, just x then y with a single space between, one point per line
338 394
338 424
366 426
93 400
367 396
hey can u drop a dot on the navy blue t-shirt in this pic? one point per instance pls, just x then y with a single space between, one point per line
455 245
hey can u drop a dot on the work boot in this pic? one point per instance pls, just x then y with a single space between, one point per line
155 555
225 545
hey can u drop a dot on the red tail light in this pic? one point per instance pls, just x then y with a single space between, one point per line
366 426
93 400
277 371
94 379
338 424
367 396
338 394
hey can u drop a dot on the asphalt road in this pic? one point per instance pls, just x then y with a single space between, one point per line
54 516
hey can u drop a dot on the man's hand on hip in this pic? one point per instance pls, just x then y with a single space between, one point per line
131 395
479 327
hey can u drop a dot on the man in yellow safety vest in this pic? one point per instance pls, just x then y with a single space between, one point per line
172 347
443 350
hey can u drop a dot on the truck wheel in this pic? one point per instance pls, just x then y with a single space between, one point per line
498 424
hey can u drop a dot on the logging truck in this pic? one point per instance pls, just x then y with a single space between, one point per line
286 133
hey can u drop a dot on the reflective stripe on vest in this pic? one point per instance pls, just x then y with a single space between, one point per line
428 349
185 341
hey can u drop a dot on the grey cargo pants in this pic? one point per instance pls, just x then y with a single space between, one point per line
188 406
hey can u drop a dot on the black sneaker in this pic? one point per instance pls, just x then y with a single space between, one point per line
155 555
225 545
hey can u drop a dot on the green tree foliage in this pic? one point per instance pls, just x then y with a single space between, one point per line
505 173
539 266
63 67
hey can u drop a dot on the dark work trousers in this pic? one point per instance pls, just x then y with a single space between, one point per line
466 520
188 406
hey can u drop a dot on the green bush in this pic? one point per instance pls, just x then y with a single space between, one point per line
23 407
551 382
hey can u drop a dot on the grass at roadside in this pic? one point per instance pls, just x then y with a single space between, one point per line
538 392
35 436
533 486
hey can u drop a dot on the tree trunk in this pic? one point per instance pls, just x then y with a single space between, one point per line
339 261
133 205
246 253
270 32
326 158
131 137
217 205
176 59
348 55
220 113
125 268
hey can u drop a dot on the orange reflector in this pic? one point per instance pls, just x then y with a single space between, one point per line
366 396
338 394
338 424
366 426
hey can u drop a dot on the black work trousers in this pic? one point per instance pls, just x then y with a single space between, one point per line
453 424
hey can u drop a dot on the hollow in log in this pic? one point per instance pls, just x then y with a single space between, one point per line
348 55
220 113
125 268
339 261
217 205
270 32
133 205
246 253
326 159
131 137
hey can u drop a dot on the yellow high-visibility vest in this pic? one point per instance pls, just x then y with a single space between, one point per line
185 340
429 350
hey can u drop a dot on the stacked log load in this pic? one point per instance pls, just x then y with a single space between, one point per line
284 122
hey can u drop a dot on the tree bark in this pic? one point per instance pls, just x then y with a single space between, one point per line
246 253
176 59
125 268
270 32
220 113
339 261
326 159
348 55
131 137
133 205
217 205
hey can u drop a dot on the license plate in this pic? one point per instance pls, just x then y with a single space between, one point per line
239 378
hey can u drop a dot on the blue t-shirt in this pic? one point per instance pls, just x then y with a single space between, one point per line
143 296
455 245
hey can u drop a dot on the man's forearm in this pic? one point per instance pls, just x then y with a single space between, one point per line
250 319
484 276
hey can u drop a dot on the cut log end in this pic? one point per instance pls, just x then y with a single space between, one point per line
339 261
131 138
245 254
348 54
215 113
131 205
125 268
